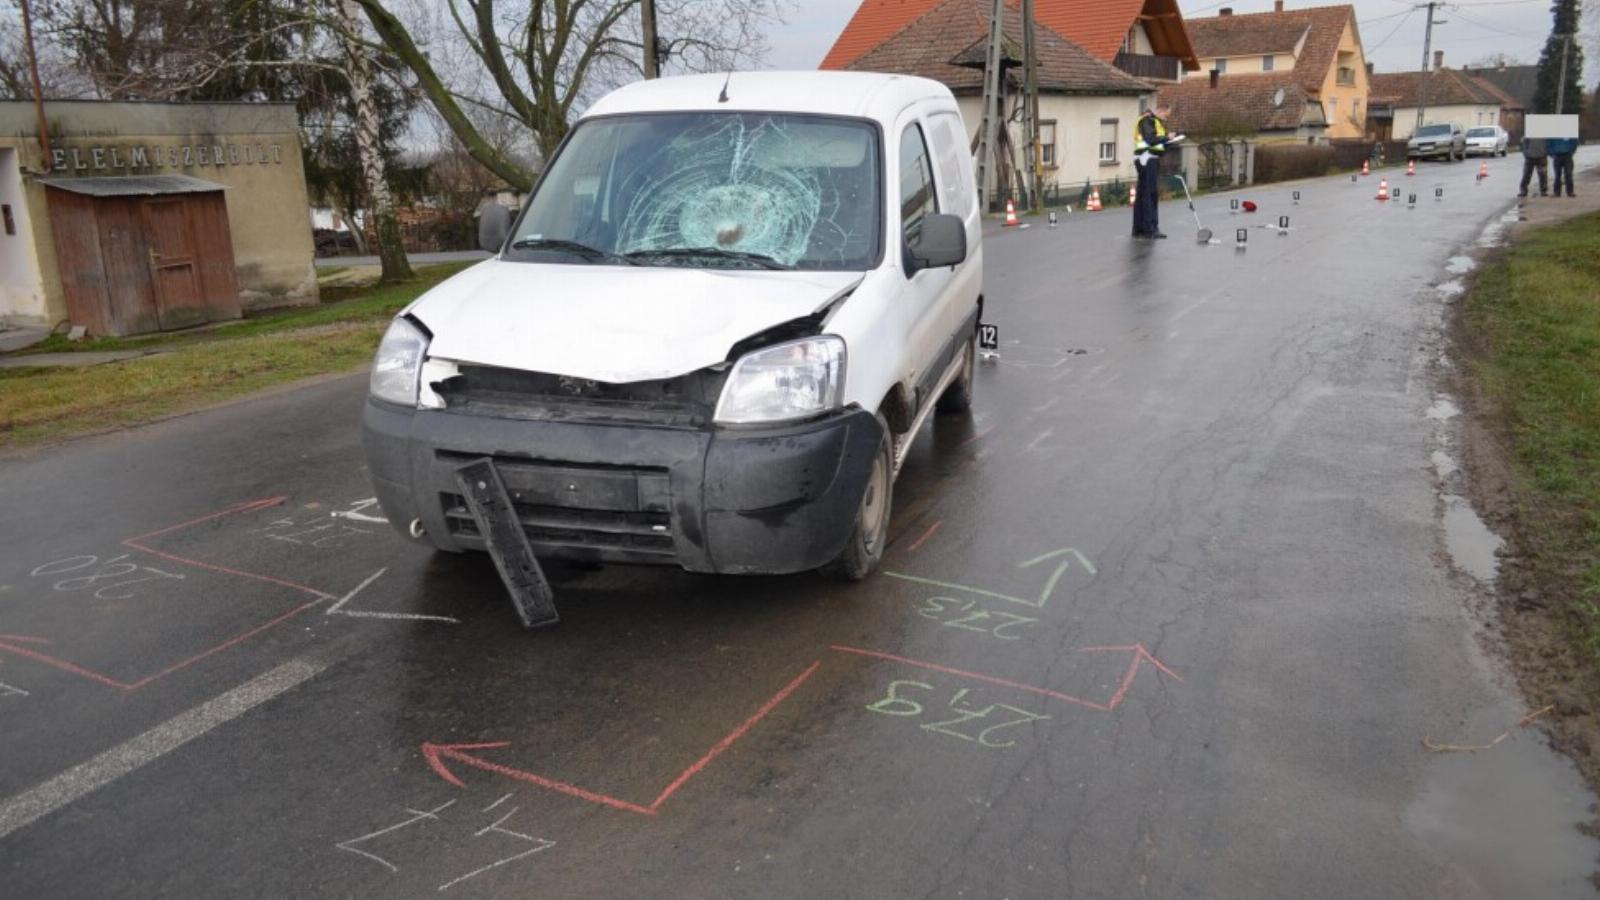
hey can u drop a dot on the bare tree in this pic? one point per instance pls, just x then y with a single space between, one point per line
391 250
542 59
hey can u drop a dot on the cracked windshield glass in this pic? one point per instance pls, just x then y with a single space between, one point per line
709 190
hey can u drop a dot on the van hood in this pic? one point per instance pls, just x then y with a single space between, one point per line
612 323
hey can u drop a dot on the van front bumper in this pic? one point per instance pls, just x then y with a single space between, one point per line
772 499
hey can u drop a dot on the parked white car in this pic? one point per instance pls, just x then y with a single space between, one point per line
1487 140
711 335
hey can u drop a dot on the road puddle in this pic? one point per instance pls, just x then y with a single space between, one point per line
1460 265
1444 465
1450 289
1470 543
1506 817
1443 409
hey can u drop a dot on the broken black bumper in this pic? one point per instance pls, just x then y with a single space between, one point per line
767 500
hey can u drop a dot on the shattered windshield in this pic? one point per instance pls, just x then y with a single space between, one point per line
709 190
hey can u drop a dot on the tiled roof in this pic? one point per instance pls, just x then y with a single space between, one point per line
1248 100
1249 36
1520 83
1327 24
1098 26
1446 87
948 44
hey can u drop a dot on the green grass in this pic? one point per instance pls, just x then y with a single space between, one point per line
39 404
1537 310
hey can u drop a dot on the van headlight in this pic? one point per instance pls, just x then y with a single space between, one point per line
784 381
398 363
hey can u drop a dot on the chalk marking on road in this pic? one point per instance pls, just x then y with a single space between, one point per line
983 432
416 816
925 535
1042 435
137 752
355 512
1082 560
338 608
1046 405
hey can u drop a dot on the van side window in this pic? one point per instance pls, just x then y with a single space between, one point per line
955 195
917 199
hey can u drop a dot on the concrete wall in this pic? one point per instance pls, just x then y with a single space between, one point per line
259 163
21 289
1077 119
1465 115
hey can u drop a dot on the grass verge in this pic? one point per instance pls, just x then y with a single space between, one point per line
1535 313
196 369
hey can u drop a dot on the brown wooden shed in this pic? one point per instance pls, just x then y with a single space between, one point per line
143 253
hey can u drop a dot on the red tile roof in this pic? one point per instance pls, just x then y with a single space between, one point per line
1446 87
1250 102
1250 36
949 42
1321 50
1098 26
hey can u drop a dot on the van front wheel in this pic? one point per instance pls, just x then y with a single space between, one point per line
864 550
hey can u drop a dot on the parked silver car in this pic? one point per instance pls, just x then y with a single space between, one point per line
1437 140
1488 140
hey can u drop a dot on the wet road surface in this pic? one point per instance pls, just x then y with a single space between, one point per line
1169 616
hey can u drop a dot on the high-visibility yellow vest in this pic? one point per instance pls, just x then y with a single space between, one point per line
1139 146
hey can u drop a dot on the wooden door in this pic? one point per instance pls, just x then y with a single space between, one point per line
173 267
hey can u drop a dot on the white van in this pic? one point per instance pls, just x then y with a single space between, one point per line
709 337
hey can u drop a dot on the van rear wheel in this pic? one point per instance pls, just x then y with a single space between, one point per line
864 550
957 397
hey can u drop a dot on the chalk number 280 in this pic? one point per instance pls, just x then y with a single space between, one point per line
110 578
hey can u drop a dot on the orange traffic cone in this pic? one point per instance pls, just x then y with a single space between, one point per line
1383 189
1411 167
1011 212
1365 169
1094 201
1133 193
1483 169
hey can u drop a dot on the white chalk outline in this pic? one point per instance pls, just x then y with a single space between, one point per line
338 608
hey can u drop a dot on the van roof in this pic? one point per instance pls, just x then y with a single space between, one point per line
870 95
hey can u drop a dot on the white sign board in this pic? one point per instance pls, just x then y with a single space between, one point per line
1547 126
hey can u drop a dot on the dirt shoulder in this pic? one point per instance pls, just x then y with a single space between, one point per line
1528 335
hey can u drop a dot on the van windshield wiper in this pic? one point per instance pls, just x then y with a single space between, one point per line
760 259
575 247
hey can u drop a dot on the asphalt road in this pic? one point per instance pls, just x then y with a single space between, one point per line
1170 617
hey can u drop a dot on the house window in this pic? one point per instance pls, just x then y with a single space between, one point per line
1355 110
1333 109
1047 143
1347 76
1108 140
1220 67
1267 63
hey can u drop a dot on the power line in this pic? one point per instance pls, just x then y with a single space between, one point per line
1393 31
1455 8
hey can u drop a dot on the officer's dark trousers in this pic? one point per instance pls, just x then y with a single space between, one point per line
1529 166
1146 215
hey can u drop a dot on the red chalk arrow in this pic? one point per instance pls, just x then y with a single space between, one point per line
436 754
1140 657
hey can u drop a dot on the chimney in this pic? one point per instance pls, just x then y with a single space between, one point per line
1438 59
1277 5
1225 11
1215 77
1369 68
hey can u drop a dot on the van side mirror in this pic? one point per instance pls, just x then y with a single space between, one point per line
494 223
942 241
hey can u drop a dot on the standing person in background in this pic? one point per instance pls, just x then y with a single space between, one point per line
1533 159
1150 140
1561 150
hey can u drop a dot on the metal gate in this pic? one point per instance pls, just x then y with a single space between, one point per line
1216 165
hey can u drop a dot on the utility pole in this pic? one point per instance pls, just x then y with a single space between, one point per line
1030 100
647 23
38 91
1422 86
1561 84
991 91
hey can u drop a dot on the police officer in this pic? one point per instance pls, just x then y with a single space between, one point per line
1150 140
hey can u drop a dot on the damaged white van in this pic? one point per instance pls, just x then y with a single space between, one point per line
708 338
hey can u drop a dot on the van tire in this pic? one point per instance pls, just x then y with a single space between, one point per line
864 550
957 397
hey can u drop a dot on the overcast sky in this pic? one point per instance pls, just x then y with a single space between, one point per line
1391 30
